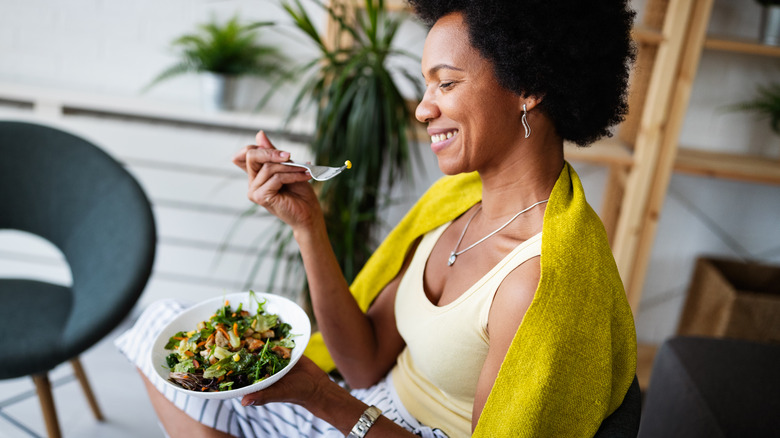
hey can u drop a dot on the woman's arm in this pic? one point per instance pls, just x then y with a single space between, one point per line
363 346
510 303
308 386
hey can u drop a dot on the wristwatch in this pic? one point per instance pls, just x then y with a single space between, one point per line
360 429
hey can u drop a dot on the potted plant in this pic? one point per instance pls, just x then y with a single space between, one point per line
770 22
361 116
766 103
221 53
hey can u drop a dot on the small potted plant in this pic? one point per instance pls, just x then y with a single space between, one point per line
766 103
221 53
770 22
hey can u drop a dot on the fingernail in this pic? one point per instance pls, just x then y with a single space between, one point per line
247 402
284 154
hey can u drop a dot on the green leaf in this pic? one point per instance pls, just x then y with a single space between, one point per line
229 48
766 103
185 366
171 360
174 343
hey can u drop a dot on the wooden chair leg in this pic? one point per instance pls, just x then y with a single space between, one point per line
78 370
43 387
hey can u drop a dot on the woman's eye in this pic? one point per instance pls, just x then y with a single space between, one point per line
446 85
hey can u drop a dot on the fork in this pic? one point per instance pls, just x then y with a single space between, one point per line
320 173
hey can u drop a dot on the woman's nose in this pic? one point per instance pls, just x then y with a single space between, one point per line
427 109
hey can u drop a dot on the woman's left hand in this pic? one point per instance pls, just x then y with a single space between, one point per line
303 384
308 386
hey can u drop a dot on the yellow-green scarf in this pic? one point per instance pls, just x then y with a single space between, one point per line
574 355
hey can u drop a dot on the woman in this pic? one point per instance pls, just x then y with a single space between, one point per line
495 306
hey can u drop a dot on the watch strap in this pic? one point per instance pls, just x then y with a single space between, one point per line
366 420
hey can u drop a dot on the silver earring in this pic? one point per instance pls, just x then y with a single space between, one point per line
525 122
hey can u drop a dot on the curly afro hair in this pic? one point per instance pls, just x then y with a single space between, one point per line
575 54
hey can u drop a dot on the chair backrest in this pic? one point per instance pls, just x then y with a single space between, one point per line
624 422
67 190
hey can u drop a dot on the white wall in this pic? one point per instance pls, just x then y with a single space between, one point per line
111 49
114 47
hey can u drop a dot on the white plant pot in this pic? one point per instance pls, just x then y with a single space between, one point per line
770 25
218 92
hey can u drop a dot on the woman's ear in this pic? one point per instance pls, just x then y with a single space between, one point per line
530 102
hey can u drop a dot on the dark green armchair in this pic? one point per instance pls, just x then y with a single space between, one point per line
67 190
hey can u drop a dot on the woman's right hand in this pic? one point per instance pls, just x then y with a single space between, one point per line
282 190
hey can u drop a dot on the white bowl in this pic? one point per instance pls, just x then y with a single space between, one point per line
287 310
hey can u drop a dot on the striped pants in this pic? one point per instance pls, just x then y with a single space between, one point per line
270 420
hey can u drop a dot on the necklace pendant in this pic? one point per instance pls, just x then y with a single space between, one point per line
451 260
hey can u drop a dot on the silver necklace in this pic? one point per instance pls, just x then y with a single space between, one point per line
455 253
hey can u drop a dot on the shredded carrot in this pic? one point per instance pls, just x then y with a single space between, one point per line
223 332
189 353
229 372
235 329
203 389
179 338
220 378
227 303
233 315
202 343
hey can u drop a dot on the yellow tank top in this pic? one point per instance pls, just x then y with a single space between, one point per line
436 374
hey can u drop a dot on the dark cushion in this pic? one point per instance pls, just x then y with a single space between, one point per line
65 189
706 387
33 314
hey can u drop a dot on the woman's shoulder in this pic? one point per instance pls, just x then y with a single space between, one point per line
516 292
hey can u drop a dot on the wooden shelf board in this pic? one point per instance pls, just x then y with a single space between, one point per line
397 5
645 355
608 151
740 45
731 166
646 35
390 5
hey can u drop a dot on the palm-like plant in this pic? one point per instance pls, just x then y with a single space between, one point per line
361 116
766 103
229 49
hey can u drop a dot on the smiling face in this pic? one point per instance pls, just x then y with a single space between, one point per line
472 120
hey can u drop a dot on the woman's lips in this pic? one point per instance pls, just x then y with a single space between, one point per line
442 139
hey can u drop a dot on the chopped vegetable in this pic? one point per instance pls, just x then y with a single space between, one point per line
231 350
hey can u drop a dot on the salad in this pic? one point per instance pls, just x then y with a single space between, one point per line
231 350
